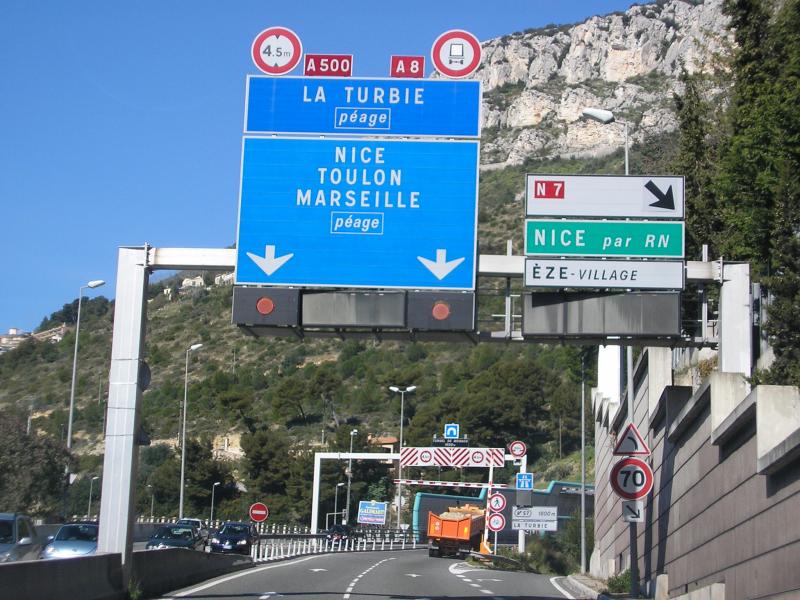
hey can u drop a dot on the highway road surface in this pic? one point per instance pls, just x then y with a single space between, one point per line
408 575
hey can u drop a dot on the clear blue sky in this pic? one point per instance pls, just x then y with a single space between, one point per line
120 122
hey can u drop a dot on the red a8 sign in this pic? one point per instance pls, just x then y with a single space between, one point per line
408 66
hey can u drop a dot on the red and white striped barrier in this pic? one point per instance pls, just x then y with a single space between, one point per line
438 456
458 484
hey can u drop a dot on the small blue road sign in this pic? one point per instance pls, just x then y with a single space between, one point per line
372 512
358 213
451 431
524 481
348 106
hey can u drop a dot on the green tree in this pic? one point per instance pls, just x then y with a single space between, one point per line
32 468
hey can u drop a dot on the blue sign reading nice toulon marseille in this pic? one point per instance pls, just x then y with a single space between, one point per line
384 107
358 213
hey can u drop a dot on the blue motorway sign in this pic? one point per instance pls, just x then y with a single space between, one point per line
384 107
358 213
371 512
524 481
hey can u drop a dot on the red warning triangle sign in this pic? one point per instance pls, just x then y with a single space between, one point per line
631 443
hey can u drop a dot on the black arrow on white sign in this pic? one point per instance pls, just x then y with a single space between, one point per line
665 199
636 513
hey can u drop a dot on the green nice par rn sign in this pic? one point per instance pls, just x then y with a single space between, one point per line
652 239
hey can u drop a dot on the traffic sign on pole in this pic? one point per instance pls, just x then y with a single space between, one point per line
604 196
524 481
517 449
656 239
604 274
451 431
633 511
631 443
276 50
363 106
496 522
497 502
410 67
358 213
631 479
456 53
259 512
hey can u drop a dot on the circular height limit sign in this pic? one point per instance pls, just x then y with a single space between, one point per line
632 478
277 50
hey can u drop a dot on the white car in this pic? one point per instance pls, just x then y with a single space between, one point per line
196 523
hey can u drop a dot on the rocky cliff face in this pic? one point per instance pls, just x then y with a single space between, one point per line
536 83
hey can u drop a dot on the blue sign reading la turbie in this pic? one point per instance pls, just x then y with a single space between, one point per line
358 213
384 107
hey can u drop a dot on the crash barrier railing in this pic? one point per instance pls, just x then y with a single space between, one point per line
271 547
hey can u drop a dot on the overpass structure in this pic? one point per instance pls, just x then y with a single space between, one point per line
128 371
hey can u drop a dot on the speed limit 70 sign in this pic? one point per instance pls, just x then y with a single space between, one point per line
632 478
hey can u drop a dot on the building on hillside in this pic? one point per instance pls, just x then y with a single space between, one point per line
193 282
12 339
227 447
387 442
224 279
54 335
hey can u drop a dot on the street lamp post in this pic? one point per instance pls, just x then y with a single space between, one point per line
605 117
402 392
91 484
346 511
152 500
336 502
213 489
191 348
92 284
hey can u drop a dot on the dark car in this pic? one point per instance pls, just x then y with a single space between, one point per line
18 538
234 537
176 536
71 540
339 532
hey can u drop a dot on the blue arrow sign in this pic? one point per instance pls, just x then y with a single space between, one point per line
358 213
524 481
385 107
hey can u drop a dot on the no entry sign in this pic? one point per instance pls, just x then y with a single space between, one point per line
632 478
259 512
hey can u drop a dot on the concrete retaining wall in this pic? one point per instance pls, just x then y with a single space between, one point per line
713 517
159 571
89 578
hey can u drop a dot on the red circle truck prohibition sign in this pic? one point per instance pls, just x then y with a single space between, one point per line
632 478
276 50
259 512
456 53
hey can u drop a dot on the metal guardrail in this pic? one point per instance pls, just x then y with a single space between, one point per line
272 547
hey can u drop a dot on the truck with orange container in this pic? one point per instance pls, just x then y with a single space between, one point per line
456 531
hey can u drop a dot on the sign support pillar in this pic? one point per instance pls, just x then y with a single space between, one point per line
124 399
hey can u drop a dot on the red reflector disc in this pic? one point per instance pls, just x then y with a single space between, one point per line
441 310
265 305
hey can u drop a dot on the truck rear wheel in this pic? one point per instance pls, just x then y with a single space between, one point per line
433 553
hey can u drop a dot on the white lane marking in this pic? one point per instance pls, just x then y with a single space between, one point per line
242 574
462 567
412 575
475 585
486 592
465 579
317 570
560 589
489 580
353 583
